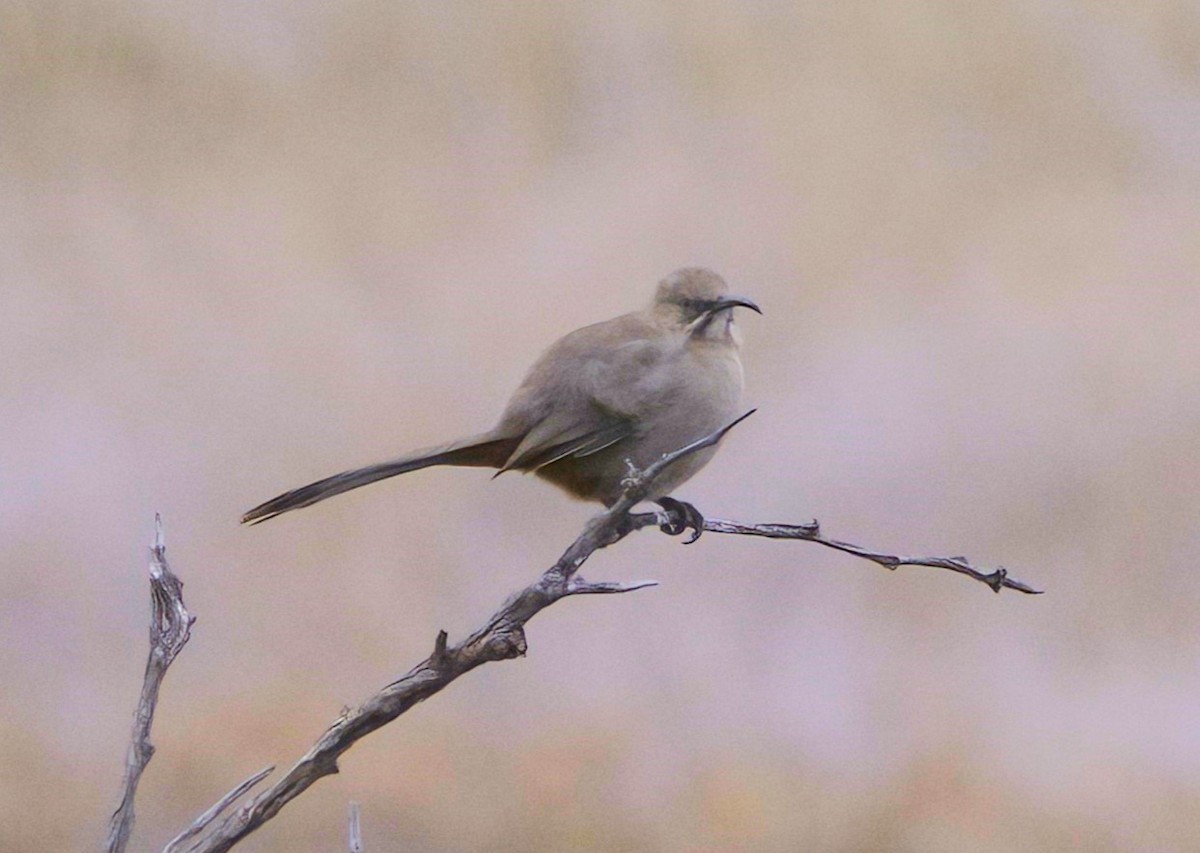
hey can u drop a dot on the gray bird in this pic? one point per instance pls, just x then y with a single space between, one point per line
603 397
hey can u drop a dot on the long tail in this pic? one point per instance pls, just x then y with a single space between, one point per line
481 451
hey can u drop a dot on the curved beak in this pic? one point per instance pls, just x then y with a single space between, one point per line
733 302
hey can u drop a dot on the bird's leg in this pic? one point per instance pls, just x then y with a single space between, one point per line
681 516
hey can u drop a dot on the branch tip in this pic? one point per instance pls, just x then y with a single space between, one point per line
708 441
579 586
201 823
170 626
996 579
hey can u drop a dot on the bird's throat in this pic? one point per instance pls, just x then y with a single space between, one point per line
715 327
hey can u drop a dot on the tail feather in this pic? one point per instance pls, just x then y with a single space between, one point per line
480 452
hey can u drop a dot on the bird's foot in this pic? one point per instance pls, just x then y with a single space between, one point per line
681 516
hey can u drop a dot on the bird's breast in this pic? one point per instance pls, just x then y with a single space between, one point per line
685 394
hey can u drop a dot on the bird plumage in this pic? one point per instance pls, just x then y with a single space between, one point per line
613 394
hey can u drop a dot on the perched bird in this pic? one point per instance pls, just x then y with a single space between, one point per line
601 398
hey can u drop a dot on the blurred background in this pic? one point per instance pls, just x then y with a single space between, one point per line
249 244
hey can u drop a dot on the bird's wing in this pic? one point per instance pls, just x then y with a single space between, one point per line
586 393
629 380
561 435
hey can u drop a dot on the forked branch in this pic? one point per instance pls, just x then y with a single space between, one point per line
503 637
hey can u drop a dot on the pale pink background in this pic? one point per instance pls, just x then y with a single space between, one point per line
244 245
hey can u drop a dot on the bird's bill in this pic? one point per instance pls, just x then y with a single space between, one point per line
727 302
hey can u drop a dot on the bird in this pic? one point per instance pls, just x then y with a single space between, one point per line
599 400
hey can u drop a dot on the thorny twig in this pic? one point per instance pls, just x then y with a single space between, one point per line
997 579
503 637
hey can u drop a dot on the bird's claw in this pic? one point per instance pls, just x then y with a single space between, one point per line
681 516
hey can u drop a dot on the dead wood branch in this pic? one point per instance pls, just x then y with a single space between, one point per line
503 637
997 579
216 810
170 628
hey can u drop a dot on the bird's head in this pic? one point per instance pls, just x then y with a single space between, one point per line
694 298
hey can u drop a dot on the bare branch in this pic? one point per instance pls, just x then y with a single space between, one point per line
501 638
675 455
997 579
578 586
201 823
170 628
